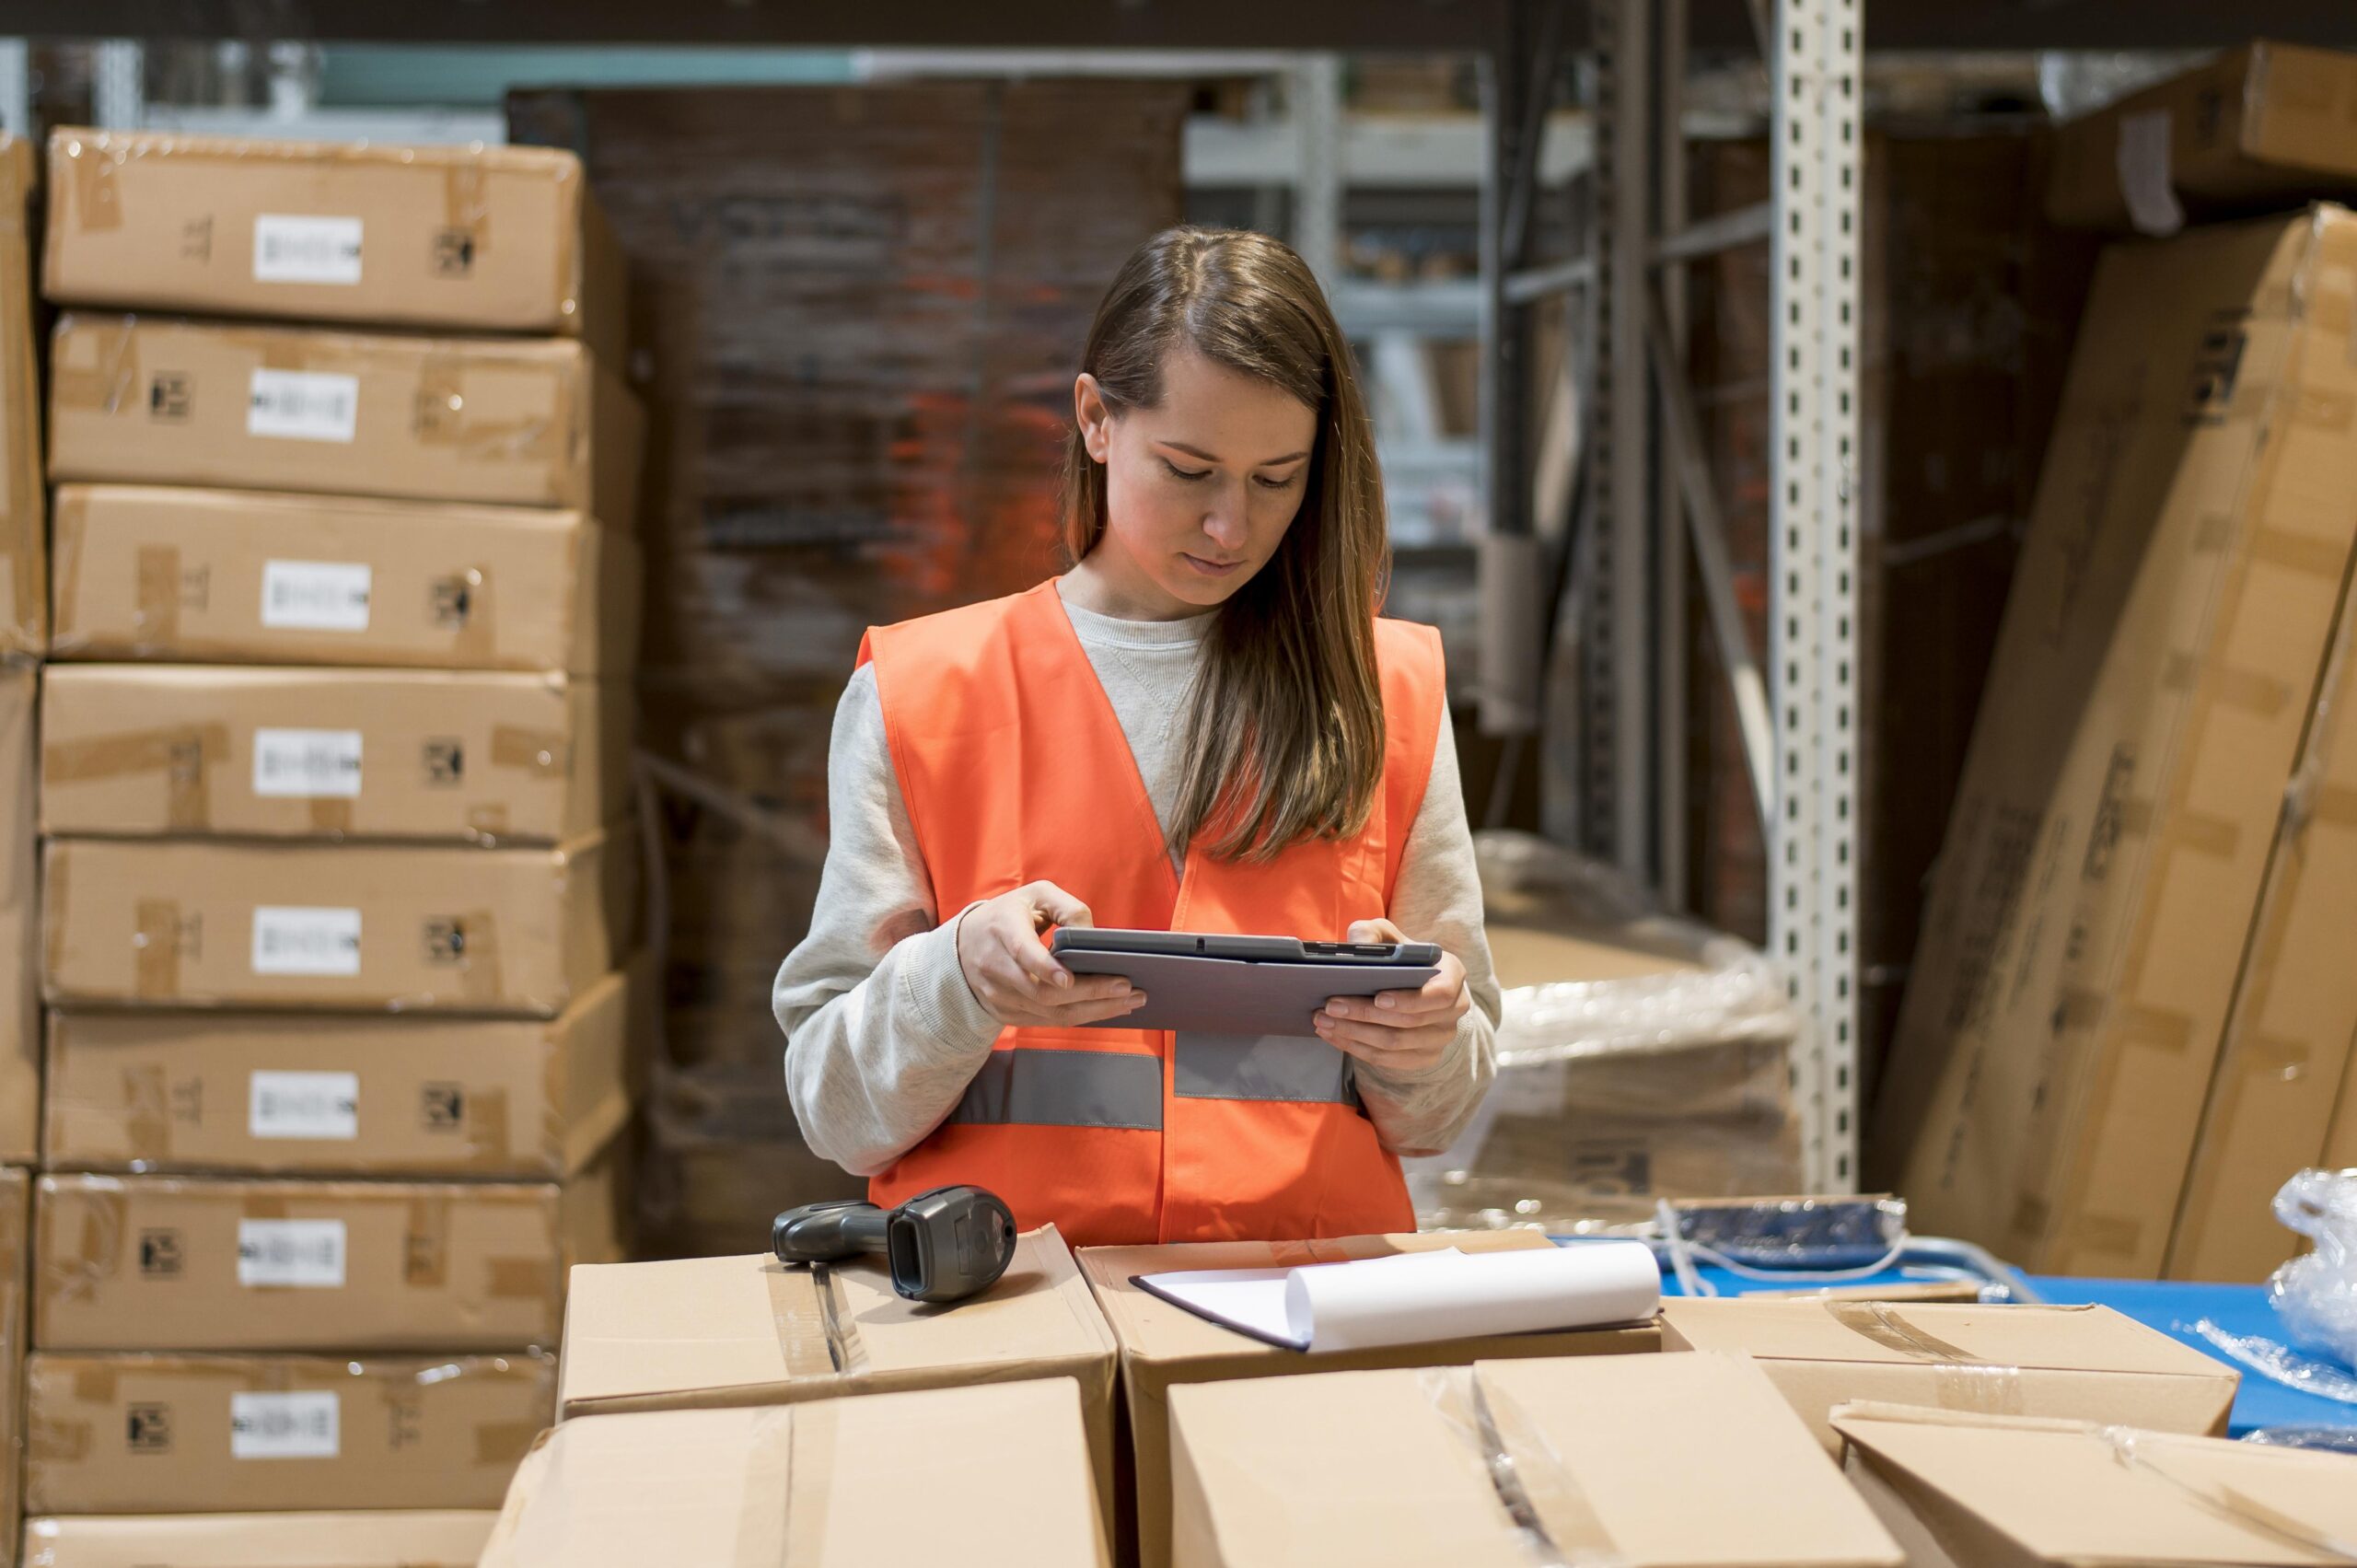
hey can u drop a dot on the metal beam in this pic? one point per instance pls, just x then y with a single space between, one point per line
1535 284
1723 232
1665 297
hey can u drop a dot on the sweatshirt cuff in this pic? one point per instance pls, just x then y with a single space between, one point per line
933 983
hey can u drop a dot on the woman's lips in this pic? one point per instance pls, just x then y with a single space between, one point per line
1212 568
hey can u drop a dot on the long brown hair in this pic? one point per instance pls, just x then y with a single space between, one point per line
1285 736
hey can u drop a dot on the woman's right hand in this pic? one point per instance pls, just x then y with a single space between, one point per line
1009 971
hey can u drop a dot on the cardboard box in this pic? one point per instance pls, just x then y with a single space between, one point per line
2340 1138
481 238
230 1434
992 1476
278 1093
165 1262
20 921
2086 1362
1611 1453
699 1333
1163 1346
512 932
161 400
24 562
2265 123
1964 1491
332 753
424 1538
15 1248
2158 668
242 576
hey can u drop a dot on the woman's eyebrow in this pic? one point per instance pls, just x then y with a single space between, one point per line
1206 457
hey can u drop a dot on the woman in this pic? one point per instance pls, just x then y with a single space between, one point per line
1202 725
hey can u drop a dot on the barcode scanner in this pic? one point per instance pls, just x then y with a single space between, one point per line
944 1244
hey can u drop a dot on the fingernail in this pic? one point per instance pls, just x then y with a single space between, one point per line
1137 1001
1064 976
1384 1000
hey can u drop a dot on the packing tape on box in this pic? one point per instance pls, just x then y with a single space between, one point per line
85 165
812 1338
425 1250
1543 1502
484 1113
98 1247
182 753
156 940
782 1525
144 1114
2234 1507
502 1442
1961 1381
441 418
480 976
69 526
156 592
95 362
547 753
523 1279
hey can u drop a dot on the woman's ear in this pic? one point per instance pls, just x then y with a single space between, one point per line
1095 419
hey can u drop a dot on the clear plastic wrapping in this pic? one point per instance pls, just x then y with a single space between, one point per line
2316 1294
1640 1056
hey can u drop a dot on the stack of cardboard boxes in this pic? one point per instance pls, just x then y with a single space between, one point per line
340 886
2132 1018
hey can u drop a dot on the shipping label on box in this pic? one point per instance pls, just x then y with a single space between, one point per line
515 932
219 577
995 1477
151 1262
287 1094
228 1434
161 400
487 239
271 753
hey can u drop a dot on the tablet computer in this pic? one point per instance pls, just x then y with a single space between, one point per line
1241 985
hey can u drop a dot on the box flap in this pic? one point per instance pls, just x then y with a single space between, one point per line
2071 1338
1153 1329
2076 1492
704 1331
998 1477
1400 1466
425 1539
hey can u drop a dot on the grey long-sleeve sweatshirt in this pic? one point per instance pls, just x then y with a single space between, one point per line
883 1033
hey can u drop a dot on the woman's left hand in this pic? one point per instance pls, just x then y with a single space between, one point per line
1396 1031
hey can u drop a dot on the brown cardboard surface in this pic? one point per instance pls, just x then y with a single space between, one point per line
1163 1346
1612 1453
162 1434
15 1246
2086 1362
20 921
238 576
162 400
512 932
485 239
2265 122
332 753
2158 666
287 1094
24 562
422 1539
1991 1492
2340 1138
160 1263
701 1332
2287 1043
991 1476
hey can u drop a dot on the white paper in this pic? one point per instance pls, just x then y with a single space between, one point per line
308 764
306 1254
1418 1298
299 1425
2144 176
289 939
301 248
315 595
303 1105
302 405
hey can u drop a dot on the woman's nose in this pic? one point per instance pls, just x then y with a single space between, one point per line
1224 523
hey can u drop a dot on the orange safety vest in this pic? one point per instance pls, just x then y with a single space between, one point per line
1015 769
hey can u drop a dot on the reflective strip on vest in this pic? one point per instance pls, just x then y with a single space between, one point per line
1064 1088
1300 1068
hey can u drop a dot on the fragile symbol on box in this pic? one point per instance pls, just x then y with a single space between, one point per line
299 1254
454 252
446 761
445 941
453 601
306 763
147 1429
302 941
304 249
297 1424
159 1254
168 395
443 1107
315 595
304 1105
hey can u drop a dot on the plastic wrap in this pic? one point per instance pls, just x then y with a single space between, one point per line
1640 1056
2316 1294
